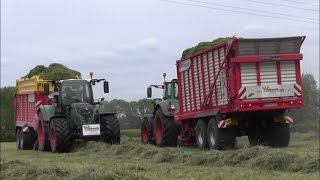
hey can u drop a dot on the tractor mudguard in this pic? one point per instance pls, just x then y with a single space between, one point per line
149 117
47 112
107 113
163 106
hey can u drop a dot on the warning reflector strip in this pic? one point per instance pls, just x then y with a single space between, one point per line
222 124
288 119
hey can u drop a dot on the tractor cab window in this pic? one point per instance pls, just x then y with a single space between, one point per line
176 90
76 91
167 90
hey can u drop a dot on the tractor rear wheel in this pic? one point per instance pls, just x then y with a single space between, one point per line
110 129
146 132
18 138
220 139
43 135
201 134
280 135
165 129
60 135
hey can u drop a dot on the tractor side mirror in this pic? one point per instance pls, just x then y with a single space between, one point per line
46 89
106 87
149 92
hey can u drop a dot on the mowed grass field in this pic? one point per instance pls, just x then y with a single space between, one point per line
133 160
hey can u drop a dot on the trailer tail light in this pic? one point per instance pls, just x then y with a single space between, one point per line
170 107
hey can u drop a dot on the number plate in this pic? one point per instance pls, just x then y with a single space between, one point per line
270 104
91 129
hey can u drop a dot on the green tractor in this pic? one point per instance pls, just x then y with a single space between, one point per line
159 128
73 115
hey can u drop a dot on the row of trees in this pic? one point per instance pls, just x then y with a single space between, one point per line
131 113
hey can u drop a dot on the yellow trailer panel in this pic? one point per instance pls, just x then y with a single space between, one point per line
34 84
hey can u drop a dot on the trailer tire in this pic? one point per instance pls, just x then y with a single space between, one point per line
165 130
253 135
26 140
147 132
43 136
18 138
201 134
220 139
61 139
110 128
280 135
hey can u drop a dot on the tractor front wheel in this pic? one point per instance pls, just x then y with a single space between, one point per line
165 129
146 132
60 135
110 129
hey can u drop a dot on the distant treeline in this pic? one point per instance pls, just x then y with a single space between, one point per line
131 113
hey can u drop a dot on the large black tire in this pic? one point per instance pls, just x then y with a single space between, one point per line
165 130
45 145
147 132
110 129
61 139
201 134
18 138
220 139
280 135
26 140
253 134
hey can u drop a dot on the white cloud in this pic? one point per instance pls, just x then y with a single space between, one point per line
250 27
128 48
106 54
150 42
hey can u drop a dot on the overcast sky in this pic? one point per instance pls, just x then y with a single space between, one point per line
132 42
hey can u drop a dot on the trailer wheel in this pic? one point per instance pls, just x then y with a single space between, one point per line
146 132
220 139
201 134
110 129
280 135
253 135
165 129
25 140
18 138
60 135
43 135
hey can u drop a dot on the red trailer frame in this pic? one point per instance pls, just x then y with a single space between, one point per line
215 80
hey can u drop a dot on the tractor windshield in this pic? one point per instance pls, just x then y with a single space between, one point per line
171 90
76 91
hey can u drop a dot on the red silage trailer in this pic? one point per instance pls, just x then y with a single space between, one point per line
241 87
28 98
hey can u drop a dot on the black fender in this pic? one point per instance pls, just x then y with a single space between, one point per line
150 118
44 114
163 106
107 113
99 115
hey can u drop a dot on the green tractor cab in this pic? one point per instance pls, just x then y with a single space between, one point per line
74 115
155 127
